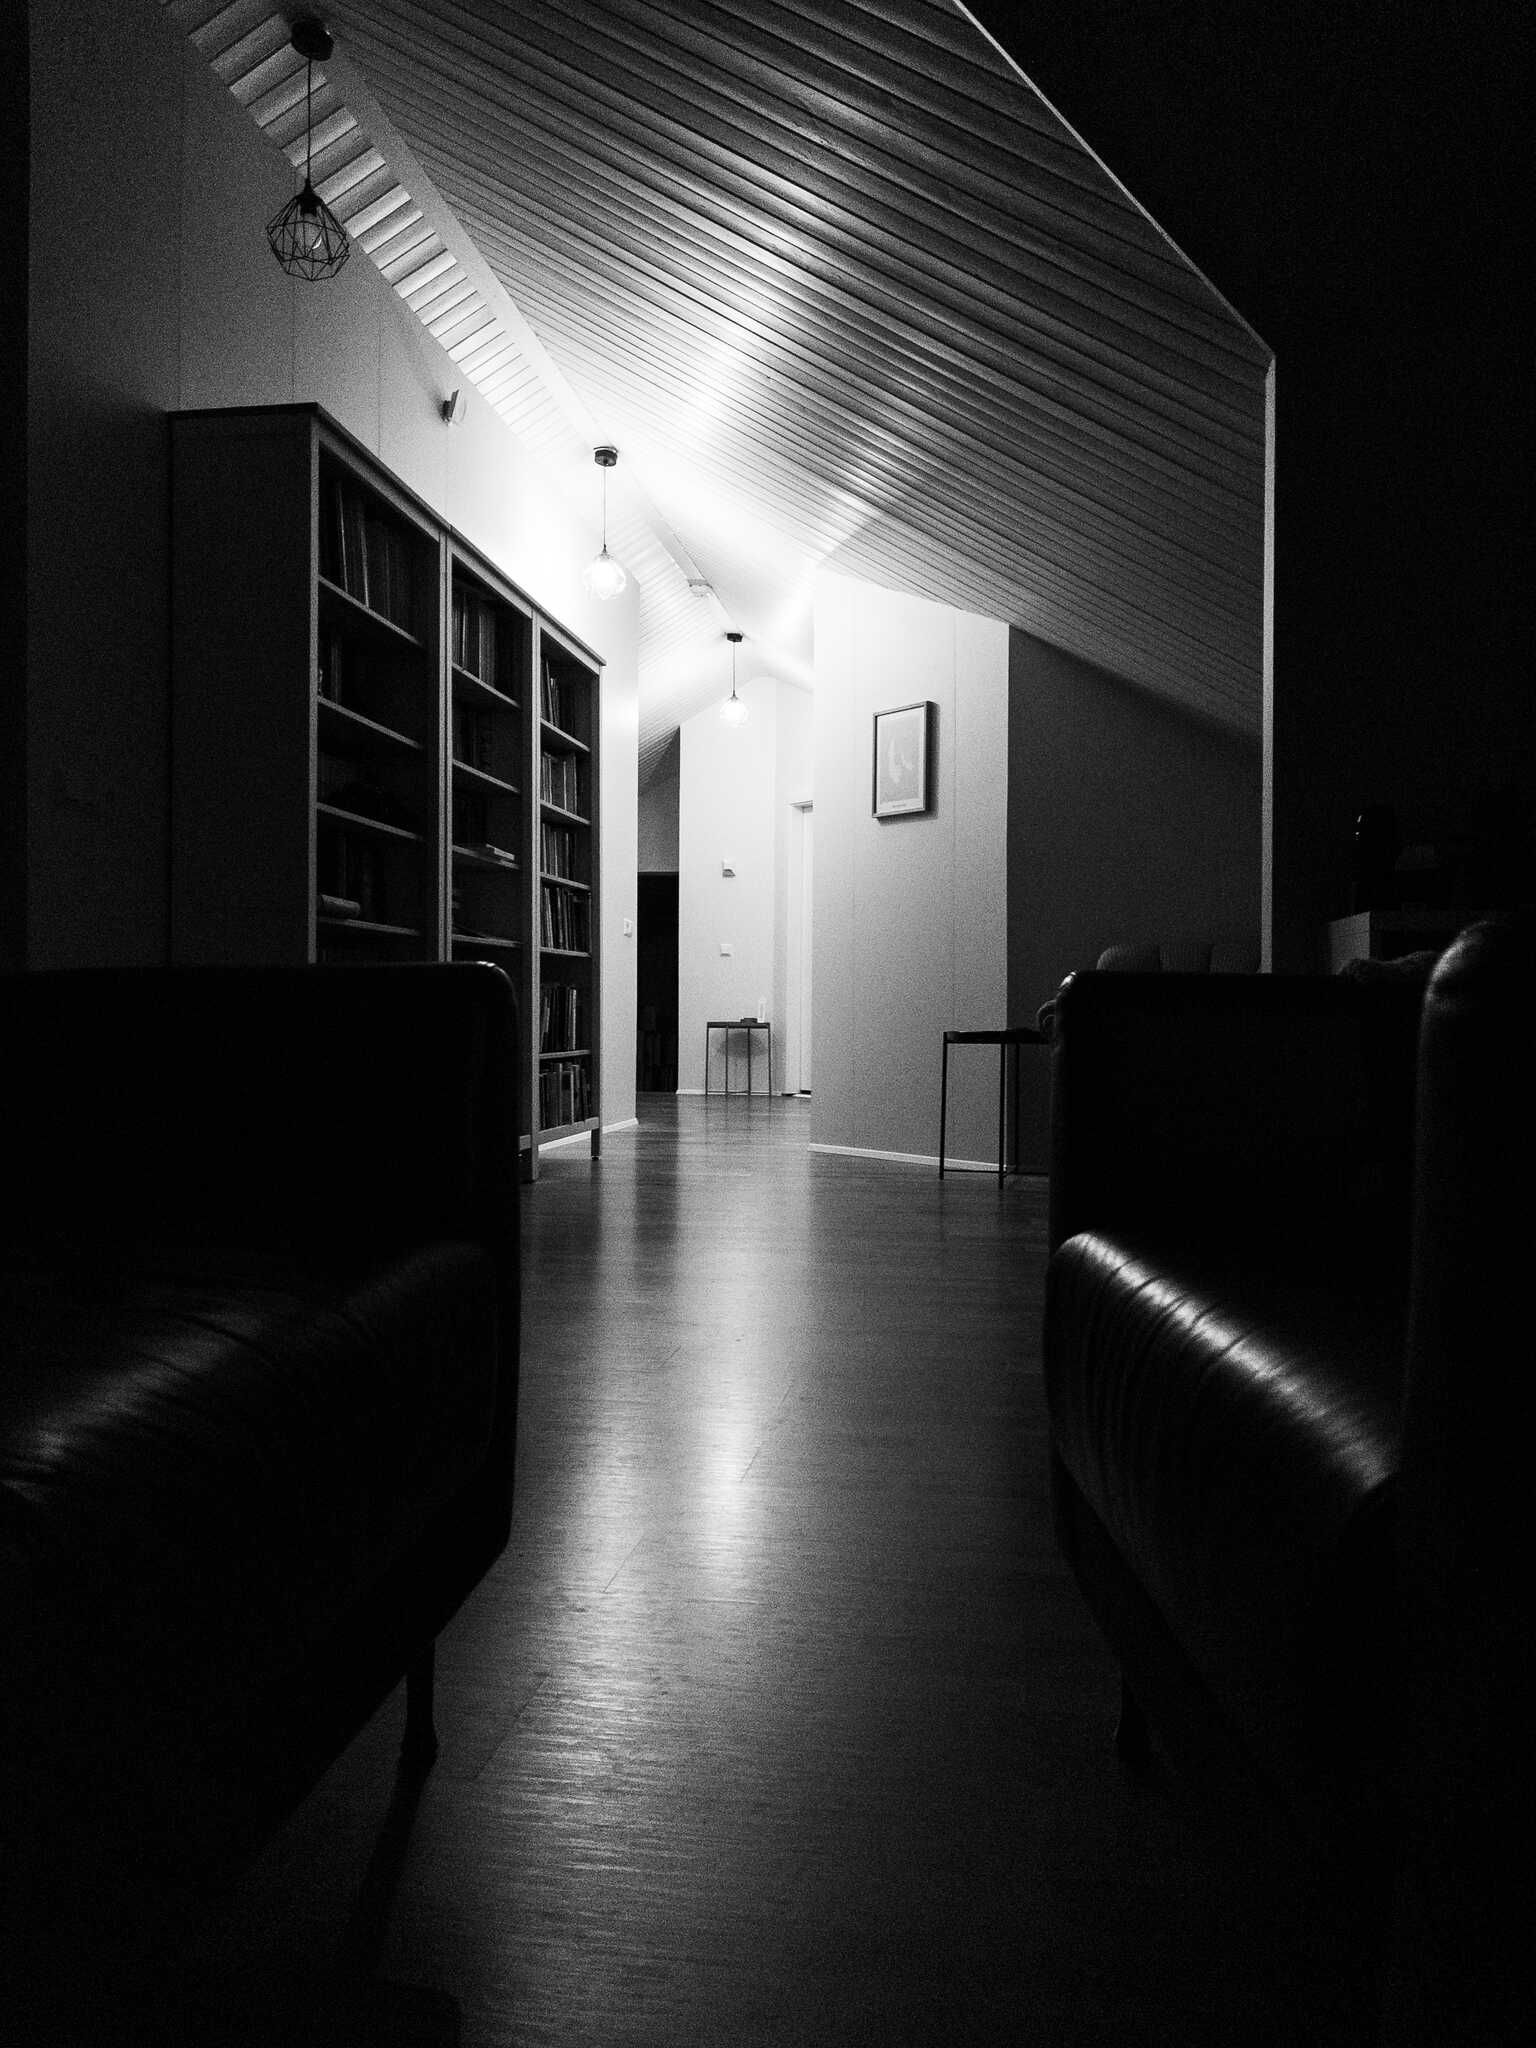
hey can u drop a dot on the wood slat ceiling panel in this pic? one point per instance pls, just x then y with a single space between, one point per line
909 285
839 262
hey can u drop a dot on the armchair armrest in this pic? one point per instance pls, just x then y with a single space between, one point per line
1221 1107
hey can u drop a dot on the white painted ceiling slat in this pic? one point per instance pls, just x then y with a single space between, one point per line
649 355
991 428
802 321
771 191
830 261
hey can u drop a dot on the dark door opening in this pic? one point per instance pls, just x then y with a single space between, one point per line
656 985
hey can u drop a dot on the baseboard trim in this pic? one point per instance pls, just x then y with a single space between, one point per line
931 1159
741 1095
910 1158
628 1123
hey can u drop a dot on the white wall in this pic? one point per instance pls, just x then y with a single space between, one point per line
152 288
736 788
657 852
911 913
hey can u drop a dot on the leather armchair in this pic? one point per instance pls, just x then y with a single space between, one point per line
1287 1271
258 1384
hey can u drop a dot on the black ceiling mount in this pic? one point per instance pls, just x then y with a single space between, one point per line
312 40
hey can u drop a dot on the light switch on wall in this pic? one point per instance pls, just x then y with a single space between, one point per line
726 949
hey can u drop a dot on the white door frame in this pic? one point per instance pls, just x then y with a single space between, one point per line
797 992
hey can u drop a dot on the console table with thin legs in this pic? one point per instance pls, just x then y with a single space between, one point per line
728 1025
1007 1040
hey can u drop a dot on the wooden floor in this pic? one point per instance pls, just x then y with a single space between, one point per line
780 1721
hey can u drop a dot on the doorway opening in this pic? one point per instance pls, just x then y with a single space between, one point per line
656 985
797 1065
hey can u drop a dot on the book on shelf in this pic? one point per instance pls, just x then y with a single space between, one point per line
368 554
560 780
348 875
564 919
474 737
557 850
565 1093
475 639
562 1017
471 817
334 668
551 696
342 785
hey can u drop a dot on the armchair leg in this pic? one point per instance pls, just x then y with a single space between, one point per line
1133 1738
418 1748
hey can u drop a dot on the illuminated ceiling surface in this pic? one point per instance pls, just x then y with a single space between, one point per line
842 288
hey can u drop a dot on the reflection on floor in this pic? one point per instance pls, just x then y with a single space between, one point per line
780 1721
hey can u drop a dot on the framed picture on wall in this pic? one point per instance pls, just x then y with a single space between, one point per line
904 760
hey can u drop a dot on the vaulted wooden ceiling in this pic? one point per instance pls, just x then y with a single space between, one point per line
841 286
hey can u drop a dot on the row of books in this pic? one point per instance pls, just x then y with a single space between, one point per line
349 872
560 780
562 1017
476 643
471 818
565 1094
358 679
368 554
474 736
556 702
557 850
565 919
353 786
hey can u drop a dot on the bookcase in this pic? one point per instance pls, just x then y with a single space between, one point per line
565 1079
381 749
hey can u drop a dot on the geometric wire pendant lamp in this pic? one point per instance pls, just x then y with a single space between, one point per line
603 576
307 238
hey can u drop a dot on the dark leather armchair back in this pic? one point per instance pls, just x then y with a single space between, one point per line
1465 1485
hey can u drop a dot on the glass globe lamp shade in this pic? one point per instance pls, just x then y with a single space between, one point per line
603 576
733 711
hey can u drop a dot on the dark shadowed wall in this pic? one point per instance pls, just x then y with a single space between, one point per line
1351 179
1126 821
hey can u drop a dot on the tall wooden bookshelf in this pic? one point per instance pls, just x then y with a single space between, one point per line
565 1076
490 667
360 734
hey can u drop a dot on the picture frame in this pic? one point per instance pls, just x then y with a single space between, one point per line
903 760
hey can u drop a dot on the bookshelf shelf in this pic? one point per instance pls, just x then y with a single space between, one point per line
484 779
478 857
472 686
375 734
567 742
365 615
346 724
364 926
358 821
